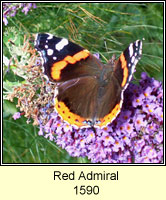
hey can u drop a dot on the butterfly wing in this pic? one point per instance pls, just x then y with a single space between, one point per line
76 100
111 95
64 60
76 71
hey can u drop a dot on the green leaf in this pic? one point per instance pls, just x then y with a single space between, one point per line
8 86
9 108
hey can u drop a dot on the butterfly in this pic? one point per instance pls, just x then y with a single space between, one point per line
89 93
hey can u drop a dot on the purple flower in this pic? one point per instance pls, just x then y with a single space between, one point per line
17 115
26 8
97 55
108 140
5 21
10 9
159 137
138 100
139 121
147 92
158 112
118 145
149 107
126 115
149 152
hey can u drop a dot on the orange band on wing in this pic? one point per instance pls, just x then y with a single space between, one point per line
111 116
70 59
56 69
60 65
125 69
67 115
81 55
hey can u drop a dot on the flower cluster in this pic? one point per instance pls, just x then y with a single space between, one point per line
135 136
10 9
35 92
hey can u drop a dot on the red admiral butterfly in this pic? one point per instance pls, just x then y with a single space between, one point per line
90 94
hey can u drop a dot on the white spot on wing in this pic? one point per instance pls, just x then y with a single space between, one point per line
36 41
132 59
56 92
131 49
140 50
50 36
49 52
60 45
136 43
135 62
